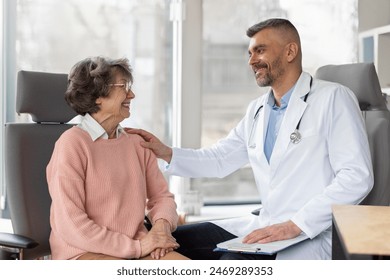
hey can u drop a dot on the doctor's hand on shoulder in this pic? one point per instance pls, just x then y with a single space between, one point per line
274 232
153 143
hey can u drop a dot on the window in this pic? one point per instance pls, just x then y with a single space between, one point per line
52 35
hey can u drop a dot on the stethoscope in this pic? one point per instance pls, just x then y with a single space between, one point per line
295 136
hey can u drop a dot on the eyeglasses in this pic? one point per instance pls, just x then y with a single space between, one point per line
126 86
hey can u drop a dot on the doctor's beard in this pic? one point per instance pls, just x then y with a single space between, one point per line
269 77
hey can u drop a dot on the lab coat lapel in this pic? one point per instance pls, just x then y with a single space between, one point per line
294 113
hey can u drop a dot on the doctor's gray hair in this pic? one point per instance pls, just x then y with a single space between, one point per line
286 29
277 23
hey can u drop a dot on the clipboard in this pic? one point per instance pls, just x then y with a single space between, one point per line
236 245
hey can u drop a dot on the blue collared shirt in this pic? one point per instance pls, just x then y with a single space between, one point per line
95 130
275 119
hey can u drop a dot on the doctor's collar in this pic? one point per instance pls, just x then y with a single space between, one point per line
283 102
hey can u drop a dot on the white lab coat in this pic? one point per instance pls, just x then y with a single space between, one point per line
330 165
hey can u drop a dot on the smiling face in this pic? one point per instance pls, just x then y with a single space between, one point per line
267 56
116 106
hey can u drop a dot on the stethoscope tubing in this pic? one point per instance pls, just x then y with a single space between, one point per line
295 136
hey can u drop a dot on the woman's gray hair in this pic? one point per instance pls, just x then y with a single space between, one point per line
89 79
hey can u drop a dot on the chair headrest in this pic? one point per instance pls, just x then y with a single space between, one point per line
42 96
361 78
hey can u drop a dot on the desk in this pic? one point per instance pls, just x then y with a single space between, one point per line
360 232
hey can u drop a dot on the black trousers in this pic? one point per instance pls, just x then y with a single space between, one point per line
197 242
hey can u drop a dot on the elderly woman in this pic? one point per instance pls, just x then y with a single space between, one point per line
101 181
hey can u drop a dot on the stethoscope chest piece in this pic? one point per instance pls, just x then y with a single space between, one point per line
295 137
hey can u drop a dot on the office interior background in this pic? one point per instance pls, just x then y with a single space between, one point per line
192 80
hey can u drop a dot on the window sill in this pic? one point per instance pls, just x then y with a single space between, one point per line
210 213
207 213
6 226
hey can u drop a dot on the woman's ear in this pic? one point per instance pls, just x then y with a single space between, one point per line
98 101
292 51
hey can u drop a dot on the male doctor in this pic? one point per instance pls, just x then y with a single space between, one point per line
306 143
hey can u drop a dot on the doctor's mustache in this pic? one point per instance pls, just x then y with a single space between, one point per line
258 66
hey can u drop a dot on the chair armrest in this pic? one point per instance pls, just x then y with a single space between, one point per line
16 241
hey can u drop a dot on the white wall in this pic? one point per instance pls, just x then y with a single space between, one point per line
373 13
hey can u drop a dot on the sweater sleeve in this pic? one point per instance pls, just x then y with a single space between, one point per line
69 218
160 203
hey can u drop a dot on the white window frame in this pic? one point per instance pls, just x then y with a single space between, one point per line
2 110
8 78
187 84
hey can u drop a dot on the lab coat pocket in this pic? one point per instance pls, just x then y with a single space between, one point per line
306 133
310 141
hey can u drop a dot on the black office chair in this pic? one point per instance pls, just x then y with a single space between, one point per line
362 79
28 149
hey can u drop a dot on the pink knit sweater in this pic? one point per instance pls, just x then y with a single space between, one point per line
100 191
